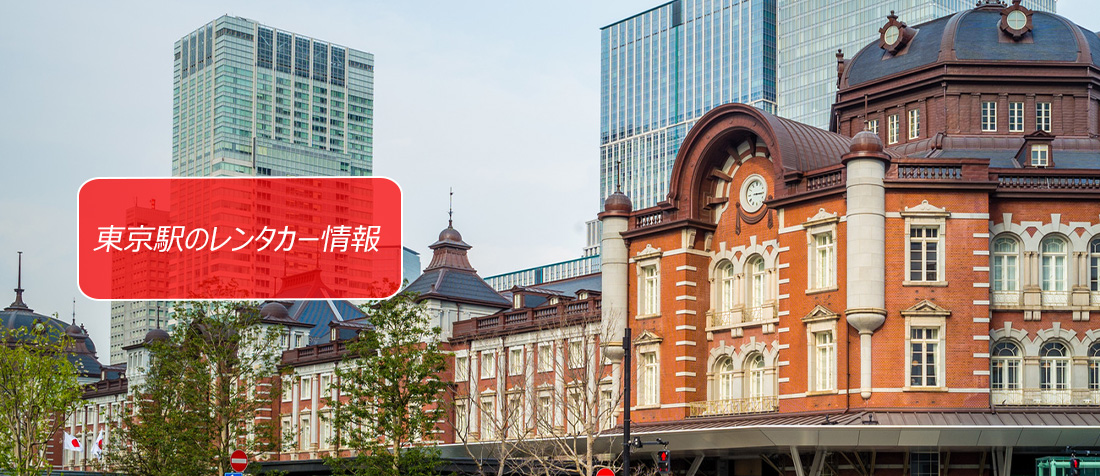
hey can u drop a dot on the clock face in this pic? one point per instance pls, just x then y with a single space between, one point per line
1017 20
891 35
755 192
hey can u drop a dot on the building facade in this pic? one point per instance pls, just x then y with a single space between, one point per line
809 33
662 69
913 294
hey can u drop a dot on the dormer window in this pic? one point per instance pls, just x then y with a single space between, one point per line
517 301
1040 155
894 35
1015 20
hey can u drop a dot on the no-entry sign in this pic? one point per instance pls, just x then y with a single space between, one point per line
605 472
238 460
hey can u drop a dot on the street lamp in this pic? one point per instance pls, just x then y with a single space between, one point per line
615 353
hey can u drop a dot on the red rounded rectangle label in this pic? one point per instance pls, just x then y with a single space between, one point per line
240 238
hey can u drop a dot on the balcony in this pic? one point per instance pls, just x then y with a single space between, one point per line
736 406
1006 298
1056 298
1042 397
741 316
527 319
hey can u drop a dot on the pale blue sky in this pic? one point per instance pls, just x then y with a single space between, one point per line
497 99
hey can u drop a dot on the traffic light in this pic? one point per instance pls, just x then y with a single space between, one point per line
1074 467
663 462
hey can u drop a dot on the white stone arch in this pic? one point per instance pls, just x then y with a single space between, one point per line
716 355
1028 241
1016 336
744 151
1075 241
771 365
1089 338
1058 334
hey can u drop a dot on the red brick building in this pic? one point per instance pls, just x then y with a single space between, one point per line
908 294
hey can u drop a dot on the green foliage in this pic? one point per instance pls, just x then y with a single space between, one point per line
203 391
38 391
390 379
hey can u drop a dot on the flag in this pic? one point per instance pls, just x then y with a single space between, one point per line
100 441
72 443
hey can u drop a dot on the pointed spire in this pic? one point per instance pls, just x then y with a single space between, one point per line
451 209
618 176
74 311
158 314
19 305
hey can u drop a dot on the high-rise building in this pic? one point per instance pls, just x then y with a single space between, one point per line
249 99
664 68
811 31
254 100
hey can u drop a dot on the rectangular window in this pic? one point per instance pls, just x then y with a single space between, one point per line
824 264
607 407
650 289
515 361
924 253
914 123
488 417
1040 155
488 365
303 433
824 361
514 413
307 388
325 423
286 428
288 390
546 413
648 391
326 384
924 344
924 464
462 420
872 125
575 412
989 116
892 129
546 362
576 354
1015 117
462 369
1042 116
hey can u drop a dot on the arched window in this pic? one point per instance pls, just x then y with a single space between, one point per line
1006 252
1094 366
1094 265
1004 373
725 277
757 287
724 369
756 375
1054 366
1054 264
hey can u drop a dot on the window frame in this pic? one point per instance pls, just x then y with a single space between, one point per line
893 124
1016 116
1042 116
1055 371
1039 155
576 353
649 377
545 364
871 125
1054 274
515 366
925 216
825 359
757 289
914 123
305 391
648 269
1004 371
462 368
488 371
926 315
926 379
988 116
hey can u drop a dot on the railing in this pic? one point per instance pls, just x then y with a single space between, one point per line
1055 298
734 317
543 316
1046 182
1095 298
737 406
930 172
725 318
1006 298
1046 397
824 181
648 220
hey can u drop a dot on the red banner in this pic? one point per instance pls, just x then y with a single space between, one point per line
240 238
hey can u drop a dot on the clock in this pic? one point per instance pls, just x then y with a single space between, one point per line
753 192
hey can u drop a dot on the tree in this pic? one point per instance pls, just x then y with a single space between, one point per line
38 391
205 394
390 379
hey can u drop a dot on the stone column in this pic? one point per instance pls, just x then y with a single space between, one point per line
866 246
613 268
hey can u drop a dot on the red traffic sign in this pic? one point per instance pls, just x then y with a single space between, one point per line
238 460
605 472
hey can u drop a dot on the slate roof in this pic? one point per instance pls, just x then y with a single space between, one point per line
458 285
975 35
320 314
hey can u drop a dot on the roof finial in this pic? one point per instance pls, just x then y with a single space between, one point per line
74 311
158 314
618 176
451 209
19 304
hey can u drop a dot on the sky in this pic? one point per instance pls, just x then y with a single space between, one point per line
497 99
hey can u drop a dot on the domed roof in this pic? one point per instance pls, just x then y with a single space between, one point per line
450 234
274 310
617 202
155 335
866 141
976 35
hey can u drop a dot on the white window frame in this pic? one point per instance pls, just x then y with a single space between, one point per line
462 419
925 216
893 124
757 288
649 376
989 116
1040 155
488 364
1006 264
1054 265
546 357
607 407
1004 370
514 413
1015 117
872 125
306 390
576 353
515 361
1094 265
929 336
487 416
288 390
649 285
544 413
824 361
756 375
462 368
1042 116
1054 372
304 431
725 379
726 280
821 376
914 123
325 386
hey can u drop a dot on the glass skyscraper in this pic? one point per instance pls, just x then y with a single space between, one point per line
811 31
664 68
249 99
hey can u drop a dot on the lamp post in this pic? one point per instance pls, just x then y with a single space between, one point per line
611 351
